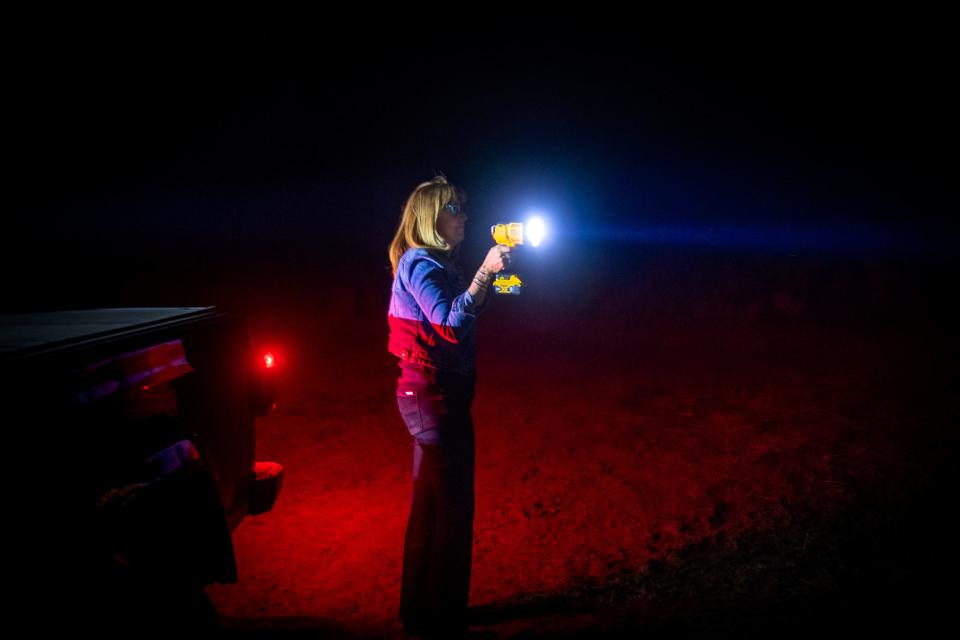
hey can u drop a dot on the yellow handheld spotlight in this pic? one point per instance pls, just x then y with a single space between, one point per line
511 234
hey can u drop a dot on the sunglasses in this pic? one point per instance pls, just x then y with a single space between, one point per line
455 209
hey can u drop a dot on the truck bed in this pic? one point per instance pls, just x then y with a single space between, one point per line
29 334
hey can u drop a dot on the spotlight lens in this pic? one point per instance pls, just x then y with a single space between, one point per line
535 230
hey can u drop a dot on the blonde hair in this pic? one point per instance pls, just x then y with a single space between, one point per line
418 223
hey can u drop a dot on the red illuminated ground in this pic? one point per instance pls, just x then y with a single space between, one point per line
697 465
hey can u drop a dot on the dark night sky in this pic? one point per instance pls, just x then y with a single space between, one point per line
133 139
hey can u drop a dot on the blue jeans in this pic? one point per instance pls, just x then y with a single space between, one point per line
438 547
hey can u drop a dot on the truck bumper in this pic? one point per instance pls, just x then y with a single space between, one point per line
268 480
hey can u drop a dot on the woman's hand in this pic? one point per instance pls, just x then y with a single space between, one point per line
498 259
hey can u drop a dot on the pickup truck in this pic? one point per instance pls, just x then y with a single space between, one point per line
143 422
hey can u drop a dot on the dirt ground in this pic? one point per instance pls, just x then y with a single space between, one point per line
663 455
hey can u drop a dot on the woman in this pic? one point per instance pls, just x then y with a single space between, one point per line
432 318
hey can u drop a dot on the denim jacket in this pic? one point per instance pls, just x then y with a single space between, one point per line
432 316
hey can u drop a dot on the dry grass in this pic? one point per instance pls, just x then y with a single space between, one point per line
645 467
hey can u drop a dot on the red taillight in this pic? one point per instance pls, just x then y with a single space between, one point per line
264 397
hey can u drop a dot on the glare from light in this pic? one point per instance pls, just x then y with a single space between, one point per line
535 230
269 361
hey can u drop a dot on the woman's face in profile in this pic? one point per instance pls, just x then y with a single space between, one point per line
451 223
